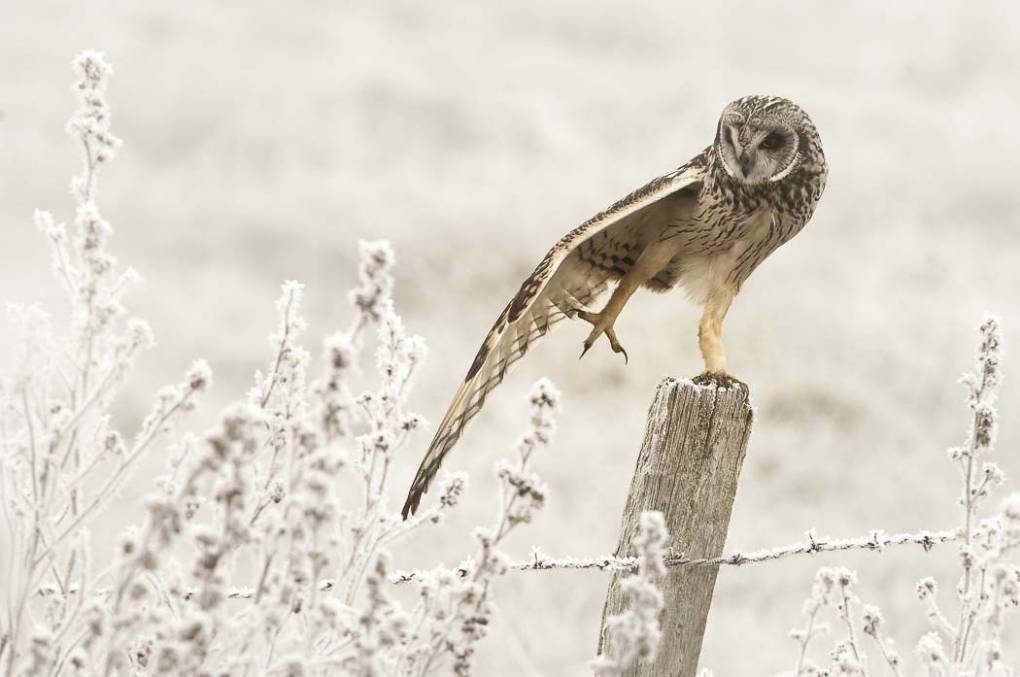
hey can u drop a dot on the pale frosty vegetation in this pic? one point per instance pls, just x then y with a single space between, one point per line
265 545
967 635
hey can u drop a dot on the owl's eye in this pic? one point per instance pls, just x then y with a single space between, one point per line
772 141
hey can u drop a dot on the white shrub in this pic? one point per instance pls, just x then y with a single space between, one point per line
968 642
264 547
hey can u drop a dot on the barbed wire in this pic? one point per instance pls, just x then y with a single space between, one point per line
539 561
875 541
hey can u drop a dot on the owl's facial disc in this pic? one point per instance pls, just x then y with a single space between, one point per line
758 150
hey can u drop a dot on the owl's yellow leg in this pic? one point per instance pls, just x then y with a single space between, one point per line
710 337
650 262
710 331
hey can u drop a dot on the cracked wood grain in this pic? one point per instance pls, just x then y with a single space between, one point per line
688 466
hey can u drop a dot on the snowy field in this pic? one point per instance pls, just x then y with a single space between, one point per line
263 140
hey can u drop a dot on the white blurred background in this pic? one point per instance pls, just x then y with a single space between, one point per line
263 139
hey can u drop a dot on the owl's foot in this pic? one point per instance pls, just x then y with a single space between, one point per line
719 379
602 324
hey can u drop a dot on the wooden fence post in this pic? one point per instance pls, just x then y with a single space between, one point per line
694 446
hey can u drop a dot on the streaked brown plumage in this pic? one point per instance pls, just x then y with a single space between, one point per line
706 226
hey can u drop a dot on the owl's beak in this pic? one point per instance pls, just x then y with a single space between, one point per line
745 162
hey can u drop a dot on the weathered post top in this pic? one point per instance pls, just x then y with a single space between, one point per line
695 440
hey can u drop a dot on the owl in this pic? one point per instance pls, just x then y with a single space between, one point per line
705 227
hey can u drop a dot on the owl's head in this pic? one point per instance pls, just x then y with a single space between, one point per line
761 139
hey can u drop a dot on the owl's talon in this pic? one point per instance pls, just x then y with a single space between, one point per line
614 343
601 326
719 379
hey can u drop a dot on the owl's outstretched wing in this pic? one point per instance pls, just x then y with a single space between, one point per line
575 271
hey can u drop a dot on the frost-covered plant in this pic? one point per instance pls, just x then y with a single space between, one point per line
264 548
455 606
62 459
834 590
635 632
989 586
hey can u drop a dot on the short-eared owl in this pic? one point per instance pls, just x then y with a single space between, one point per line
705 226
